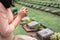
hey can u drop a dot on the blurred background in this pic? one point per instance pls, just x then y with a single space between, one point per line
46 12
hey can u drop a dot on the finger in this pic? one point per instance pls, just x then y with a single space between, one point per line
26 10
23 8
26 13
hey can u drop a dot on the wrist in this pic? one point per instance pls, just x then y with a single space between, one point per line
20 16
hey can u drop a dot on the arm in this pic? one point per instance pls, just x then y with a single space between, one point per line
5 28
21 13
14 16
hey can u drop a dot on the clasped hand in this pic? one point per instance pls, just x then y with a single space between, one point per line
23 12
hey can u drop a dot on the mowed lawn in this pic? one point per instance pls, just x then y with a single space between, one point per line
20 31
47 19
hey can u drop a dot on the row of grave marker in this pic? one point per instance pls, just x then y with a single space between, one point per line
55 5
43 33
41 8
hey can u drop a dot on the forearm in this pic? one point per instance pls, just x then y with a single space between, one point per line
14 17
11 27
6 27
16 21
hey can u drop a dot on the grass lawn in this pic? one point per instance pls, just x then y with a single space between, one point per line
47 19
19 31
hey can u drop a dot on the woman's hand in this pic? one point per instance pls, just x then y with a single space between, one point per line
23 12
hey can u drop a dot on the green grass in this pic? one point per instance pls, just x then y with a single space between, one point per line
19 31
47 19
